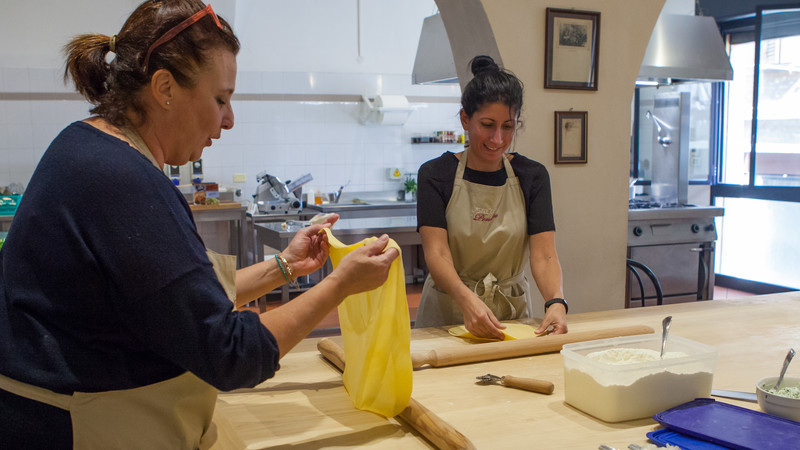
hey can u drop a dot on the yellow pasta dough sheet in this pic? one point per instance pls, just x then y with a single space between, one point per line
511 332
376 331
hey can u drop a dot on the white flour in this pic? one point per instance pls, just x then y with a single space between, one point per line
646 395
619 356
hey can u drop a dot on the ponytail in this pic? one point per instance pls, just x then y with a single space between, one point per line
87 66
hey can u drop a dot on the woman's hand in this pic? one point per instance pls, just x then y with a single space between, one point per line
479 319
365 268
556 316
308 250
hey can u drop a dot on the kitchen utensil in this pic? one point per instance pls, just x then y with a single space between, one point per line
779 405
738 395
339 192
528 384
786 362
274 197
729 426
490 351
428 424
664 331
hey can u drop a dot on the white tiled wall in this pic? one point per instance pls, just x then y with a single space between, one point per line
282 137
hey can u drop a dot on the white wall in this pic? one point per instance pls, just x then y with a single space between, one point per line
297 52
590 200
298 88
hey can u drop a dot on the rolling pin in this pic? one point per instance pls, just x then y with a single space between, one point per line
450 356
437 431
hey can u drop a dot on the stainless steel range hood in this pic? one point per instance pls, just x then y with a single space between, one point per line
685 48
434 62
681 48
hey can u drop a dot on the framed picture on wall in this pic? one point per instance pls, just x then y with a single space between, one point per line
572 46
571 146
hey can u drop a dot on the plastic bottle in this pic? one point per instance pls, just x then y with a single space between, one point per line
318 197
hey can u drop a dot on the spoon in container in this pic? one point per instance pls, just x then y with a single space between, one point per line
665 330
786 362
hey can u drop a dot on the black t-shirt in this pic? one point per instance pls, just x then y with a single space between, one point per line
435 179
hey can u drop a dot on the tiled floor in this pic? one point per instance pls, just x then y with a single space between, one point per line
330 325
721 293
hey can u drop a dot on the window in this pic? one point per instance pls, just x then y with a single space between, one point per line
758 171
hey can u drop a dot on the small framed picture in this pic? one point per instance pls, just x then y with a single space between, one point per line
572 49
570 137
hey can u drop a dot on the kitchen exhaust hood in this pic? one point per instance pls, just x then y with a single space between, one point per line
685 48
434 62
682 47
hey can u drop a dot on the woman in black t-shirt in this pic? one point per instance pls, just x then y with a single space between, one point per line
484 215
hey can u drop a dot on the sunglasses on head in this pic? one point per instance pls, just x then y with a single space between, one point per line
169 35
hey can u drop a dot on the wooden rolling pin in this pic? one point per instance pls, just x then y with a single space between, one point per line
450 356
437 431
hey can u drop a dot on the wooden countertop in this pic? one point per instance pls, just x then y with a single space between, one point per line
226 205
306 406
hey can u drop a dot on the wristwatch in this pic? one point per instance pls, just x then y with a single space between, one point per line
550 302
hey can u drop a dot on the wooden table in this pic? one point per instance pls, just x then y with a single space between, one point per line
306 406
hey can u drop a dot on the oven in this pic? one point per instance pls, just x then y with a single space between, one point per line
677 243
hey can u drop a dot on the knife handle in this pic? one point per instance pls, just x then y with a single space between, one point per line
529 384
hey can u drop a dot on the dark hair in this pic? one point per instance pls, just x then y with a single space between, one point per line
114 87
491 84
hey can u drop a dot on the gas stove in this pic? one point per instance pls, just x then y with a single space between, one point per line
677 242
650 204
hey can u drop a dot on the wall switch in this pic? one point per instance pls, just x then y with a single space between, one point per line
239 178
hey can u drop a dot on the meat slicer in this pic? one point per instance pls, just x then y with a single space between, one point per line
276 197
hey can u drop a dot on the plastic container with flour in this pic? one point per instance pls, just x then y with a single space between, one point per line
624 378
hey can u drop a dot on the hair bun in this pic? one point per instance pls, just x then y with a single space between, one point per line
482 63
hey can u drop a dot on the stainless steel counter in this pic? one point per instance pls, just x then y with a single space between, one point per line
689 212
403 229
372 208
234 214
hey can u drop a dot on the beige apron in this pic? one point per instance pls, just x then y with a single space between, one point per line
488 239
171 414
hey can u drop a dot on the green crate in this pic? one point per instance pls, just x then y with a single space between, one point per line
9 203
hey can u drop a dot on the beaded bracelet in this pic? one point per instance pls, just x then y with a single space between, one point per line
288 267
286 270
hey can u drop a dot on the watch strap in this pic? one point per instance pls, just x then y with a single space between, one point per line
552 301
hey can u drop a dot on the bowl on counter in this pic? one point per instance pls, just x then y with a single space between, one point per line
597 384
779 405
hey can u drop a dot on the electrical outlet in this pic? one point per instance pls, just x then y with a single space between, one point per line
239 178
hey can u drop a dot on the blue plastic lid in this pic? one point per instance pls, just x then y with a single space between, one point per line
730 426
665 437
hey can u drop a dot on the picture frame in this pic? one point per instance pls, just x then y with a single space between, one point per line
572 48
571 145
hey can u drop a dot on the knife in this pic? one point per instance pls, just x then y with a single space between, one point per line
738 395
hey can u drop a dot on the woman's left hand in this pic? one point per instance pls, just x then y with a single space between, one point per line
308 250
556 316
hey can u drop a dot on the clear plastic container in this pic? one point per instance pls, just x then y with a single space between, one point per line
615 393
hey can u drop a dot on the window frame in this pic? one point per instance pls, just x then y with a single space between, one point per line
745 29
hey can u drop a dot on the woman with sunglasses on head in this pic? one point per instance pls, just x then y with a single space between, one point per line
483 215
115 327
